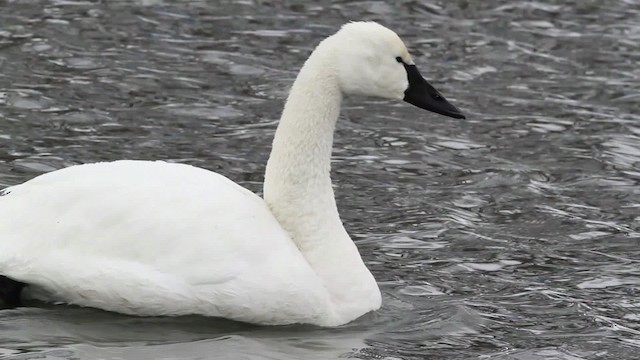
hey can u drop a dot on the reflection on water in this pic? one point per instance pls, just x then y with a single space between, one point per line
511 235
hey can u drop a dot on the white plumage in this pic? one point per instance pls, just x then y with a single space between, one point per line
155 238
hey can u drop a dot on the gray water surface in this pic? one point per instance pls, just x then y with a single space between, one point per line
512 235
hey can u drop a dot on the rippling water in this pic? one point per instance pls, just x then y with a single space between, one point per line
512 235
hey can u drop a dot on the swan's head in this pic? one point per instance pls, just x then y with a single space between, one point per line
373 61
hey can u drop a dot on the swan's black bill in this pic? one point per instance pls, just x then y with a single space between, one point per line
421 94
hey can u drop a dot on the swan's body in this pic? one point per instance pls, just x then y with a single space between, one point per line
155 238
252 270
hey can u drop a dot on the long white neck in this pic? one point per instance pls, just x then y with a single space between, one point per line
298 188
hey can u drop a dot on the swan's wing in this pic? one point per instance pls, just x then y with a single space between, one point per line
152 238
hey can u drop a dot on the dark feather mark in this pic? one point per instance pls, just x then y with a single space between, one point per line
10 291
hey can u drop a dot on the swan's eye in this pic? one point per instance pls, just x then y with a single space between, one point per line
399 59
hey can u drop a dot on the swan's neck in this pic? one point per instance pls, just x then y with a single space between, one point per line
298 187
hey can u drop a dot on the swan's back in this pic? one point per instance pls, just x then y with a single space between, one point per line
122 196
146 228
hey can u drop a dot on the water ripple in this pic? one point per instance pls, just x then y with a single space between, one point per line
511 235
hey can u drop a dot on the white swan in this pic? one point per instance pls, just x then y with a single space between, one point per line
156 238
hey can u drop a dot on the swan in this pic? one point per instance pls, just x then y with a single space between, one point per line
153 238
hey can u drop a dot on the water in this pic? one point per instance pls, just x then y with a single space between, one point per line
511 235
